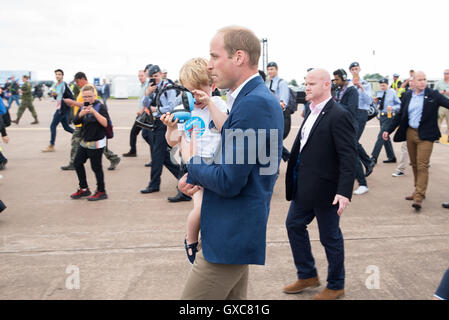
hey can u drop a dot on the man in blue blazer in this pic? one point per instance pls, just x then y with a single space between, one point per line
239 185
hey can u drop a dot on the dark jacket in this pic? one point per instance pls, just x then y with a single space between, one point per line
107 92
350 100
92 130
68 94
327 161
428 127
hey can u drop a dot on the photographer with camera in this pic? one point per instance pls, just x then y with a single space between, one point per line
94 117
388 104
160 151
81 81
280 89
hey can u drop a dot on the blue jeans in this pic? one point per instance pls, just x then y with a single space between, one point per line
12 98
57 118
331 238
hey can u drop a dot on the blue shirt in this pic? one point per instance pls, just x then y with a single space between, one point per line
415 109
391 99
365 97
168 99
280 89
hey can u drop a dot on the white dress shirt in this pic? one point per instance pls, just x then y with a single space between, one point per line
311 119
231 96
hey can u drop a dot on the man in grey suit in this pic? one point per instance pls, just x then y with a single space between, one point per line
105 91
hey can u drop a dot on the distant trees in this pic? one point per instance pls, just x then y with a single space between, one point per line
374 76
293 83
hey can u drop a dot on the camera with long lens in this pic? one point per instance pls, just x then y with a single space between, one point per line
145 120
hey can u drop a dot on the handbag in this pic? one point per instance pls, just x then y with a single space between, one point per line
109 128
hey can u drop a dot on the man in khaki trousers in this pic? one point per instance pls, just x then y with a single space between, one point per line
418 125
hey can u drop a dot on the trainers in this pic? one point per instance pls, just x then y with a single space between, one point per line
361 190
69 167
50 148
398 174
114 163
98 196
81 193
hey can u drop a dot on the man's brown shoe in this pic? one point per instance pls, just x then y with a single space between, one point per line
301 285
411 197
417 204
328 294
50 148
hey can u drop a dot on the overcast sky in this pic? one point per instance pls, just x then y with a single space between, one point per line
120 37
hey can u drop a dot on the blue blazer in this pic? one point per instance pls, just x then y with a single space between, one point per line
237 195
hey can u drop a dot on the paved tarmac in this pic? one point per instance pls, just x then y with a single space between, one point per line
131 245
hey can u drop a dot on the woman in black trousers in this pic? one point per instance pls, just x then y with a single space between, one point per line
94 117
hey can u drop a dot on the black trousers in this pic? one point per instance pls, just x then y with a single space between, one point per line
287 127
95 156
135 130
160 154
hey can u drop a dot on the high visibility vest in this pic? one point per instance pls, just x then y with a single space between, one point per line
395 85
400 92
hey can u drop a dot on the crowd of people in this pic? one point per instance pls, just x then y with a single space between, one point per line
232 201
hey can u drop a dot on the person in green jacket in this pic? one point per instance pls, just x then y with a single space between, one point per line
27 102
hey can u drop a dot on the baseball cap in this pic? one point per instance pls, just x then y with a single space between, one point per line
154 69
147 67
354 64
272 64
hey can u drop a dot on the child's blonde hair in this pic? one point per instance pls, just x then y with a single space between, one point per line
88 87
195 73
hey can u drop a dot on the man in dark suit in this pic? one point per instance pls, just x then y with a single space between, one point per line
319 181
347 96
237 192
418 125
105 91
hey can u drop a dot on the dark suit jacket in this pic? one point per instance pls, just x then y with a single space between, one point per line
350 100
237 197
327 161
107 92
428 127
